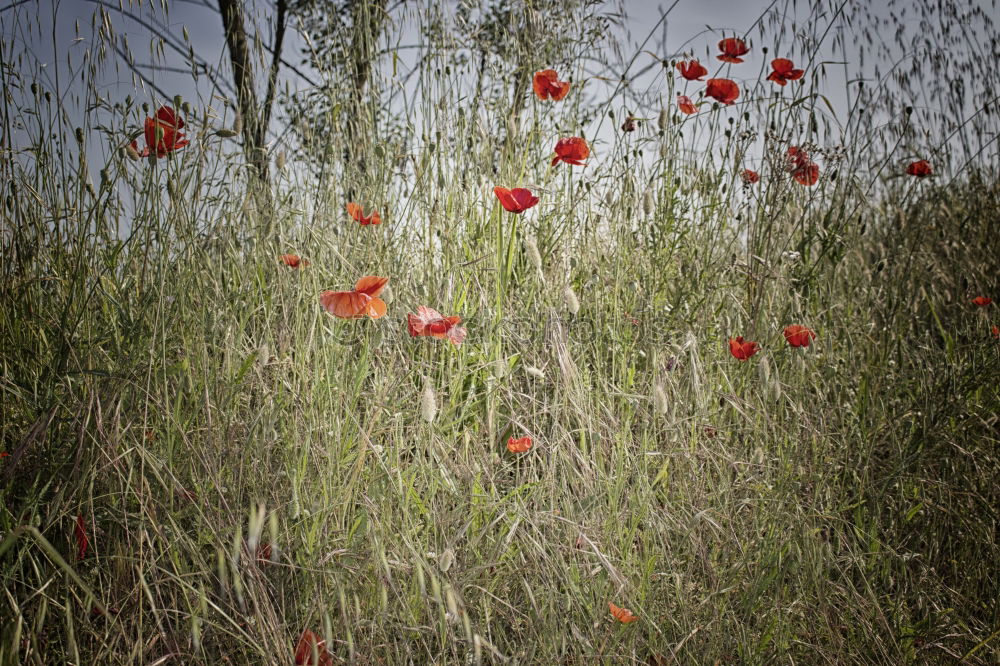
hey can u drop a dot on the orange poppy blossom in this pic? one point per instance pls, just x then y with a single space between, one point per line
804 171
623 615
547 85
982 301
724 90
519 445
515 200
429 322
750 176
293 261
732 48
920 169
571 150
80 532
361 301
742 349
304 650
358 213
799 336
162 132
784 71
692 71
685 104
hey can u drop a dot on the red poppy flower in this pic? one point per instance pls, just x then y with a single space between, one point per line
3 454
571 150
920 169
724 90
431 323
293 261
516 200
742 349
519 445
623 615
784 71
750 176
547 86
732 49
692 71
799 336
685 104
80 532
304 650
362 301
162 133
804 171
995 330
982 301
358 213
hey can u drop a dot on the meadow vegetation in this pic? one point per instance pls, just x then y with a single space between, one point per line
243 466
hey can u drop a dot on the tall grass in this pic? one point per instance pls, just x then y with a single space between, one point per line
168 380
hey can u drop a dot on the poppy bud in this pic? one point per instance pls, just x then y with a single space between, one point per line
428 402
178 100
34 88
79 135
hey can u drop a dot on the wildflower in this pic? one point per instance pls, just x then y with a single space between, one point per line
804 171
519 445
629 124
692 71
750 176
162 133
982 301
358 214
784 71
80 532
516 200
732 48
685 104
362 301
724 90
623 615
571 150
799 336
920 169
293 261
995 330
547 86
742 349
428 322
309 643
